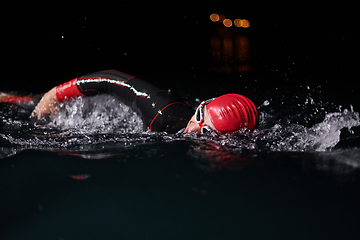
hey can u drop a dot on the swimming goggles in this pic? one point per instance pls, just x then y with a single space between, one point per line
199 117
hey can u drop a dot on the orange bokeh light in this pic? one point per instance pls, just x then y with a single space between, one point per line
245 23
237 22
227 22
242 23
214 17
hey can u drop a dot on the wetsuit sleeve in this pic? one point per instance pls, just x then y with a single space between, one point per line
158 109
67 90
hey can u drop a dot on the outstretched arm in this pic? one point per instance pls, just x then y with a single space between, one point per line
158 109
109 81
14 99
49 103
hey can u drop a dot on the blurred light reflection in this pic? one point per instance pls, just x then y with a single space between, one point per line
230 53
244 23
230 50
227 22
214 17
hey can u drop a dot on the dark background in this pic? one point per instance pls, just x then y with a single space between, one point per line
158 190
290 46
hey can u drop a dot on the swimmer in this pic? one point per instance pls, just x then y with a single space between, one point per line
160 111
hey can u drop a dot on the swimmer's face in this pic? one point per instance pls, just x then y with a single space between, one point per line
194 127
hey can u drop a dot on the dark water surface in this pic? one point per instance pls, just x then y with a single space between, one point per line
159 191
92 173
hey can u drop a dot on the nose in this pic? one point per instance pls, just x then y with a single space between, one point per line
192 127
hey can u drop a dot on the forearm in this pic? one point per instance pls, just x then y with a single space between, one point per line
49 103
14 99
130 90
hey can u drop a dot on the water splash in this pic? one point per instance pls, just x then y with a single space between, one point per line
104 124
294 137
91 123
98 114
318 147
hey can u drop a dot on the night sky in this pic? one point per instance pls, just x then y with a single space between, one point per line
171 44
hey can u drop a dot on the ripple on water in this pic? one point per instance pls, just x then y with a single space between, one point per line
104 123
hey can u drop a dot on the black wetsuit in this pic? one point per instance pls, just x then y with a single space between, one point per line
160 111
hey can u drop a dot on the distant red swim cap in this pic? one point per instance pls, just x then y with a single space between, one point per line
231 112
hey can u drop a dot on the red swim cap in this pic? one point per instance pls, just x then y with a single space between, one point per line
231 112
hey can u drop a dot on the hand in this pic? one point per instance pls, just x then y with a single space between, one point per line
48 104
4 95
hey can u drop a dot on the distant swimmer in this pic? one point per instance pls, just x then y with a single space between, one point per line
159 111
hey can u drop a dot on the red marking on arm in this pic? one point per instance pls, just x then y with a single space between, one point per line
113 70
68 90
163 110
16 99
129 79
131 76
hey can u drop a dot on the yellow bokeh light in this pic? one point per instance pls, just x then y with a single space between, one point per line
227 22
245 23
242 23
214 17
236 22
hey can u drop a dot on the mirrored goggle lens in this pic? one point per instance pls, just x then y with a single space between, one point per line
207 130
199 113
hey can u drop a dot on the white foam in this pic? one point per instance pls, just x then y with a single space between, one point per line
326 135
102 121
292 137
98 114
